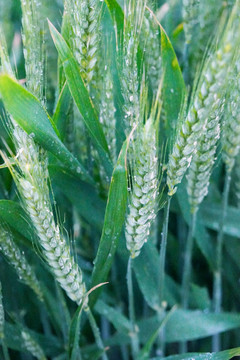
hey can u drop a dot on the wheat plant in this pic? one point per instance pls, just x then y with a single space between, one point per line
119 179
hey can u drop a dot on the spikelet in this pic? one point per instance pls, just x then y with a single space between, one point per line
85 28
190 17
128 62
32 346
18 261
231 125
2 318
144 189
107 112
202 163
152 49
206 101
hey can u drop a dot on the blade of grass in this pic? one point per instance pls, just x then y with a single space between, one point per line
113 222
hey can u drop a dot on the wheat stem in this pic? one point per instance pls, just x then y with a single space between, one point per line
96 333
163 248
217 285
187 268
5 351
134 333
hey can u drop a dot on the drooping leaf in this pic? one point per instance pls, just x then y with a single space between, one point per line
28 112
113 221
81 98
197 325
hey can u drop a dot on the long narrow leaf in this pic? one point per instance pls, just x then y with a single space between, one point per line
113 222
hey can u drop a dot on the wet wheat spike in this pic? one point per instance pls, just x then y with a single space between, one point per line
206 101
231 124
150 37
143 195
107 112
85 27
202 163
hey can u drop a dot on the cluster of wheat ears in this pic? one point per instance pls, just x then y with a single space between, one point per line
114 129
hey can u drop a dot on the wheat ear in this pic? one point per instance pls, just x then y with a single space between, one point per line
143 195
85 22
231 125
150 37
32 346
130 84
107 112
205 102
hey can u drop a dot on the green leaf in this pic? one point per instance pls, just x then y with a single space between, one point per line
117 16
81 97
62 110
28 112
197 325
113 221
211 215
222 355
145 352
146 271
119 321
74 334
173 83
